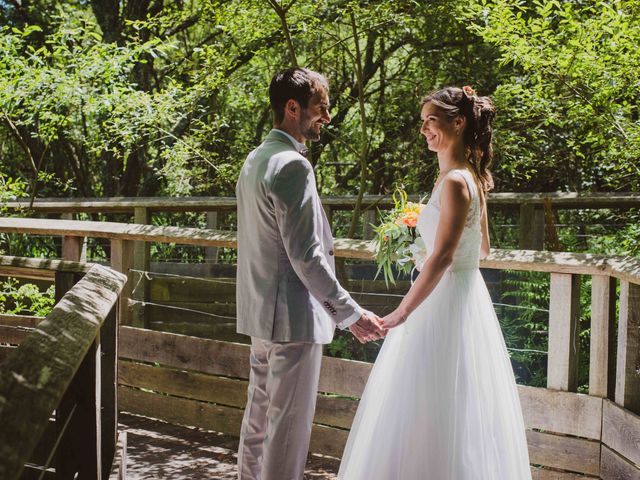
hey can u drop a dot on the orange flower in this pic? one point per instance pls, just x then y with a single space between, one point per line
410 219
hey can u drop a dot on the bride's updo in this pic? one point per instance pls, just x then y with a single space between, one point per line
479 113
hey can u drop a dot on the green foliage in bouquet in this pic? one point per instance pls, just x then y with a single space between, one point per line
397 241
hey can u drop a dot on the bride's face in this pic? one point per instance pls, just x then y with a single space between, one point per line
440 131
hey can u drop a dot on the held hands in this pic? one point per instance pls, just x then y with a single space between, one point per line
368 328
394 319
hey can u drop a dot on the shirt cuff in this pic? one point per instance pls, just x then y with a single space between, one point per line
351 319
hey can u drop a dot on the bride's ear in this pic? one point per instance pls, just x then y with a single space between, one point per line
460 122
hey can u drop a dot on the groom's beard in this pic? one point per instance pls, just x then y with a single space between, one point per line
310 130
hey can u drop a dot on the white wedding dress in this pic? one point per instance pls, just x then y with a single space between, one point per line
441 402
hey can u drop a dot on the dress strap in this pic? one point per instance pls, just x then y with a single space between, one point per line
468 178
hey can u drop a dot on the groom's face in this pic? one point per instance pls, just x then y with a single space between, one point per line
315 116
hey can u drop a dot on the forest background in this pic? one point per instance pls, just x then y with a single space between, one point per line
104 98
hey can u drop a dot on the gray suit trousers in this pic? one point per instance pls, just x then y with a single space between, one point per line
283 385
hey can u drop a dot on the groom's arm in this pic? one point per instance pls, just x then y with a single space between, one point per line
295 202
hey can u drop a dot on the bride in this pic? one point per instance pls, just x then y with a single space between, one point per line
441 402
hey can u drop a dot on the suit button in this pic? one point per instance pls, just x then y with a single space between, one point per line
331 252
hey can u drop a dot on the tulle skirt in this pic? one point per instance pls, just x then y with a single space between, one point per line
441 402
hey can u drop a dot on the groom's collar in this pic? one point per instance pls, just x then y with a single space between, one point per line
300 147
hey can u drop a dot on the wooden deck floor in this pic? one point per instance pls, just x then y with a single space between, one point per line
158 450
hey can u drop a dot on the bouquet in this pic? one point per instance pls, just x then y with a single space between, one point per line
397 240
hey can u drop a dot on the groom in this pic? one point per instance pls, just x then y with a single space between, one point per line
288 298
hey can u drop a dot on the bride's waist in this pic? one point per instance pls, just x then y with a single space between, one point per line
463 265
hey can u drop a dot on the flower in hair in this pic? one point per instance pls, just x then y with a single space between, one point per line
468 90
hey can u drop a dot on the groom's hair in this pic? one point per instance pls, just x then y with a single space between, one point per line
296 83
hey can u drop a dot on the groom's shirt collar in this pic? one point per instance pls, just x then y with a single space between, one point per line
300 147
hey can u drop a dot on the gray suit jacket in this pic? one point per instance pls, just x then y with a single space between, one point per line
286 285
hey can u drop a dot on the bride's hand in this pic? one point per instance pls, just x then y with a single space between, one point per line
394 319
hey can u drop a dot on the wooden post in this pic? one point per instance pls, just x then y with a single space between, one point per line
211 253
79 419
628 360
122 261
141 261
564 342
109 399
602 345
78 415
72 248
531 227
369 218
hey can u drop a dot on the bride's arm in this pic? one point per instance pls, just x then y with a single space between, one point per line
454 204
485 247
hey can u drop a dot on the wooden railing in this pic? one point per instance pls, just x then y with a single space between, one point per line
203 382
529 205
65 366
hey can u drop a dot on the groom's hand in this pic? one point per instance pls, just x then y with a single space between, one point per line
368 328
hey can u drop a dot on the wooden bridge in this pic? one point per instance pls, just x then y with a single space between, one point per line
200 382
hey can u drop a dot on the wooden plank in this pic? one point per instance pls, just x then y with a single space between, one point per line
566 453
27 321
615 467
13 335
222 332
183 352
569 453
628 359
163 311
557 262
119 467
602 346
181 411
328 441
181 383
27 273
10 264
122 231
564 315
526 260
565 200
338 412
546 474
174 289
343 377
34 378
125 204
335 411
625 268
621 431
5 351
561 412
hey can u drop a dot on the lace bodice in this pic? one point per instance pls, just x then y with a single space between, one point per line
467 255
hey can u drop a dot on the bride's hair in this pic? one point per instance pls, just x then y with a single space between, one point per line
479 113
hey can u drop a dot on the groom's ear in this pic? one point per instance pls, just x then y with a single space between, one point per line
292 108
